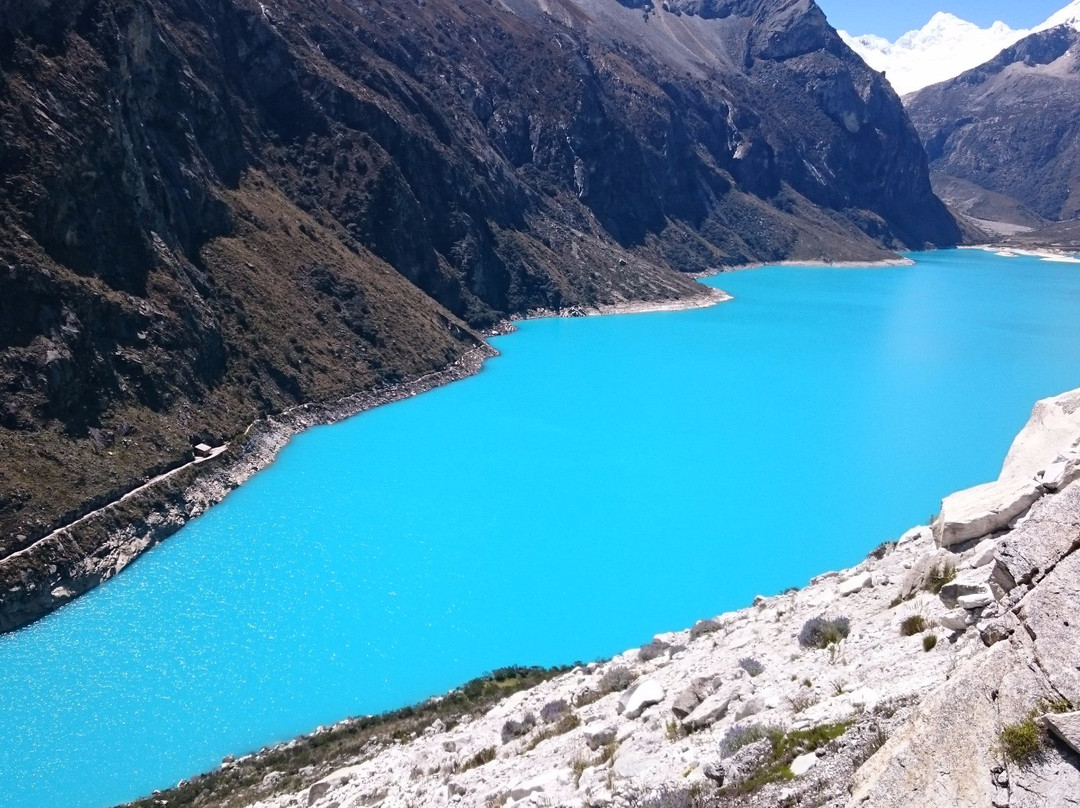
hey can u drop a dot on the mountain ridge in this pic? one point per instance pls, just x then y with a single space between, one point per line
945 47
1009 126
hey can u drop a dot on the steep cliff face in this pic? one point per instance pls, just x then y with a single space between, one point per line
211 209
1010 127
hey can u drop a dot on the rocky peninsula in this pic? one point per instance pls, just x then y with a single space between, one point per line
941 671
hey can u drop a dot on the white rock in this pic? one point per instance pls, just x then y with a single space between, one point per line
1066 726
955 620
976 600
711 710
740 639
854 584
803 763
984 509
643 694
549 780
598 736
921 532
982 553
1054 423
332 782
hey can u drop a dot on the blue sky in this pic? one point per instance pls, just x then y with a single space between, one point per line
891 19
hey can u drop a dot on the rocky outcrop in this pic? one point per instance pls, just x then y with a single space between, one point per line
938 656
1009 127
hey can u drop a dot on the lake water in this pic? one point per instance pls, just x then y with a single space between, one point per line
604 479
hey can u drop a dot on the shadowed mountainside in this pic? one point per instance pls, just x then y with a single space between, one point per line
214 209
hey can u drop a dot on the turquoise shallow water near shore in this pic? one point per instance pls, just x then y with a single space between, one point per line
604 479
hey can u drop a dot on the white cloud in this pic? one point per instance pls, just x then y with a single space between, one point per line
945 47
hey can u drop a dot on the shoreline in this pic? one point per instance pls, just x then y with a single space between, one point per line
56 569
1046 254
881 262
926 662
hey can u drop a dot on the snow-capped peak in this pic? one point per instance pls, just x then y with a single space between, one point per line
945 47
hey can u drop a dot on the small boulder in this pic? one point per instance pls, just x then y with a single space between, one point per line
1066 726
596 737
956 620
803 763
689 699
976 600
854 584
548 780
642 695
711 710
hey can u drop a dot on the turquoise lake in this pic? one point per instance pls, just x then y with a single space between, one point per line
604 479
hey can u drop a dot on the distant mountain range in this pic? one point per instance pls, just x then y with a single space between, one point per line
945 47
1004 138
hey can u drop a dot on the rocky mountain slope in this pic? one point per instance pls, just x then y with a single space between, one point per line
1004 138
211 210
941 671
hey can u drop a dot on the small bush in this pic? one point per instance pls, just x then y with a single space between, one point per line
928 642
910 626
703 627
553 710
515 729
565 724
485 755
939 575
739 736
785 747
1021 743
751 666
882 550
821 632
617 679
802 701
652 650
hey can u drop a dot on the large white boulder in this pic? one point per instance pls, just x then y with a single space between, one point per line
1054 427
984 509
643 694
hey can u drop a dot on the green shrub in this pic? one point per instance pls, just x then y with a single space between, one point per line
785 747
751 666
485 755
821 632
928 642
617 679
939 575
910 626
652 650
703 627
739 736
1021 743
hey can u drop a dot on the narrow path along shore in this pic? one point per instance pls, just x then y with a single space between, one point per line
74 558
941 671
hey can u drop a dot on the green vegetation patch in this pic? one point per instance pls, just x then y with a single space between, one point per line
910 626
939 575
821 631
784 748
348 742
1021 743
